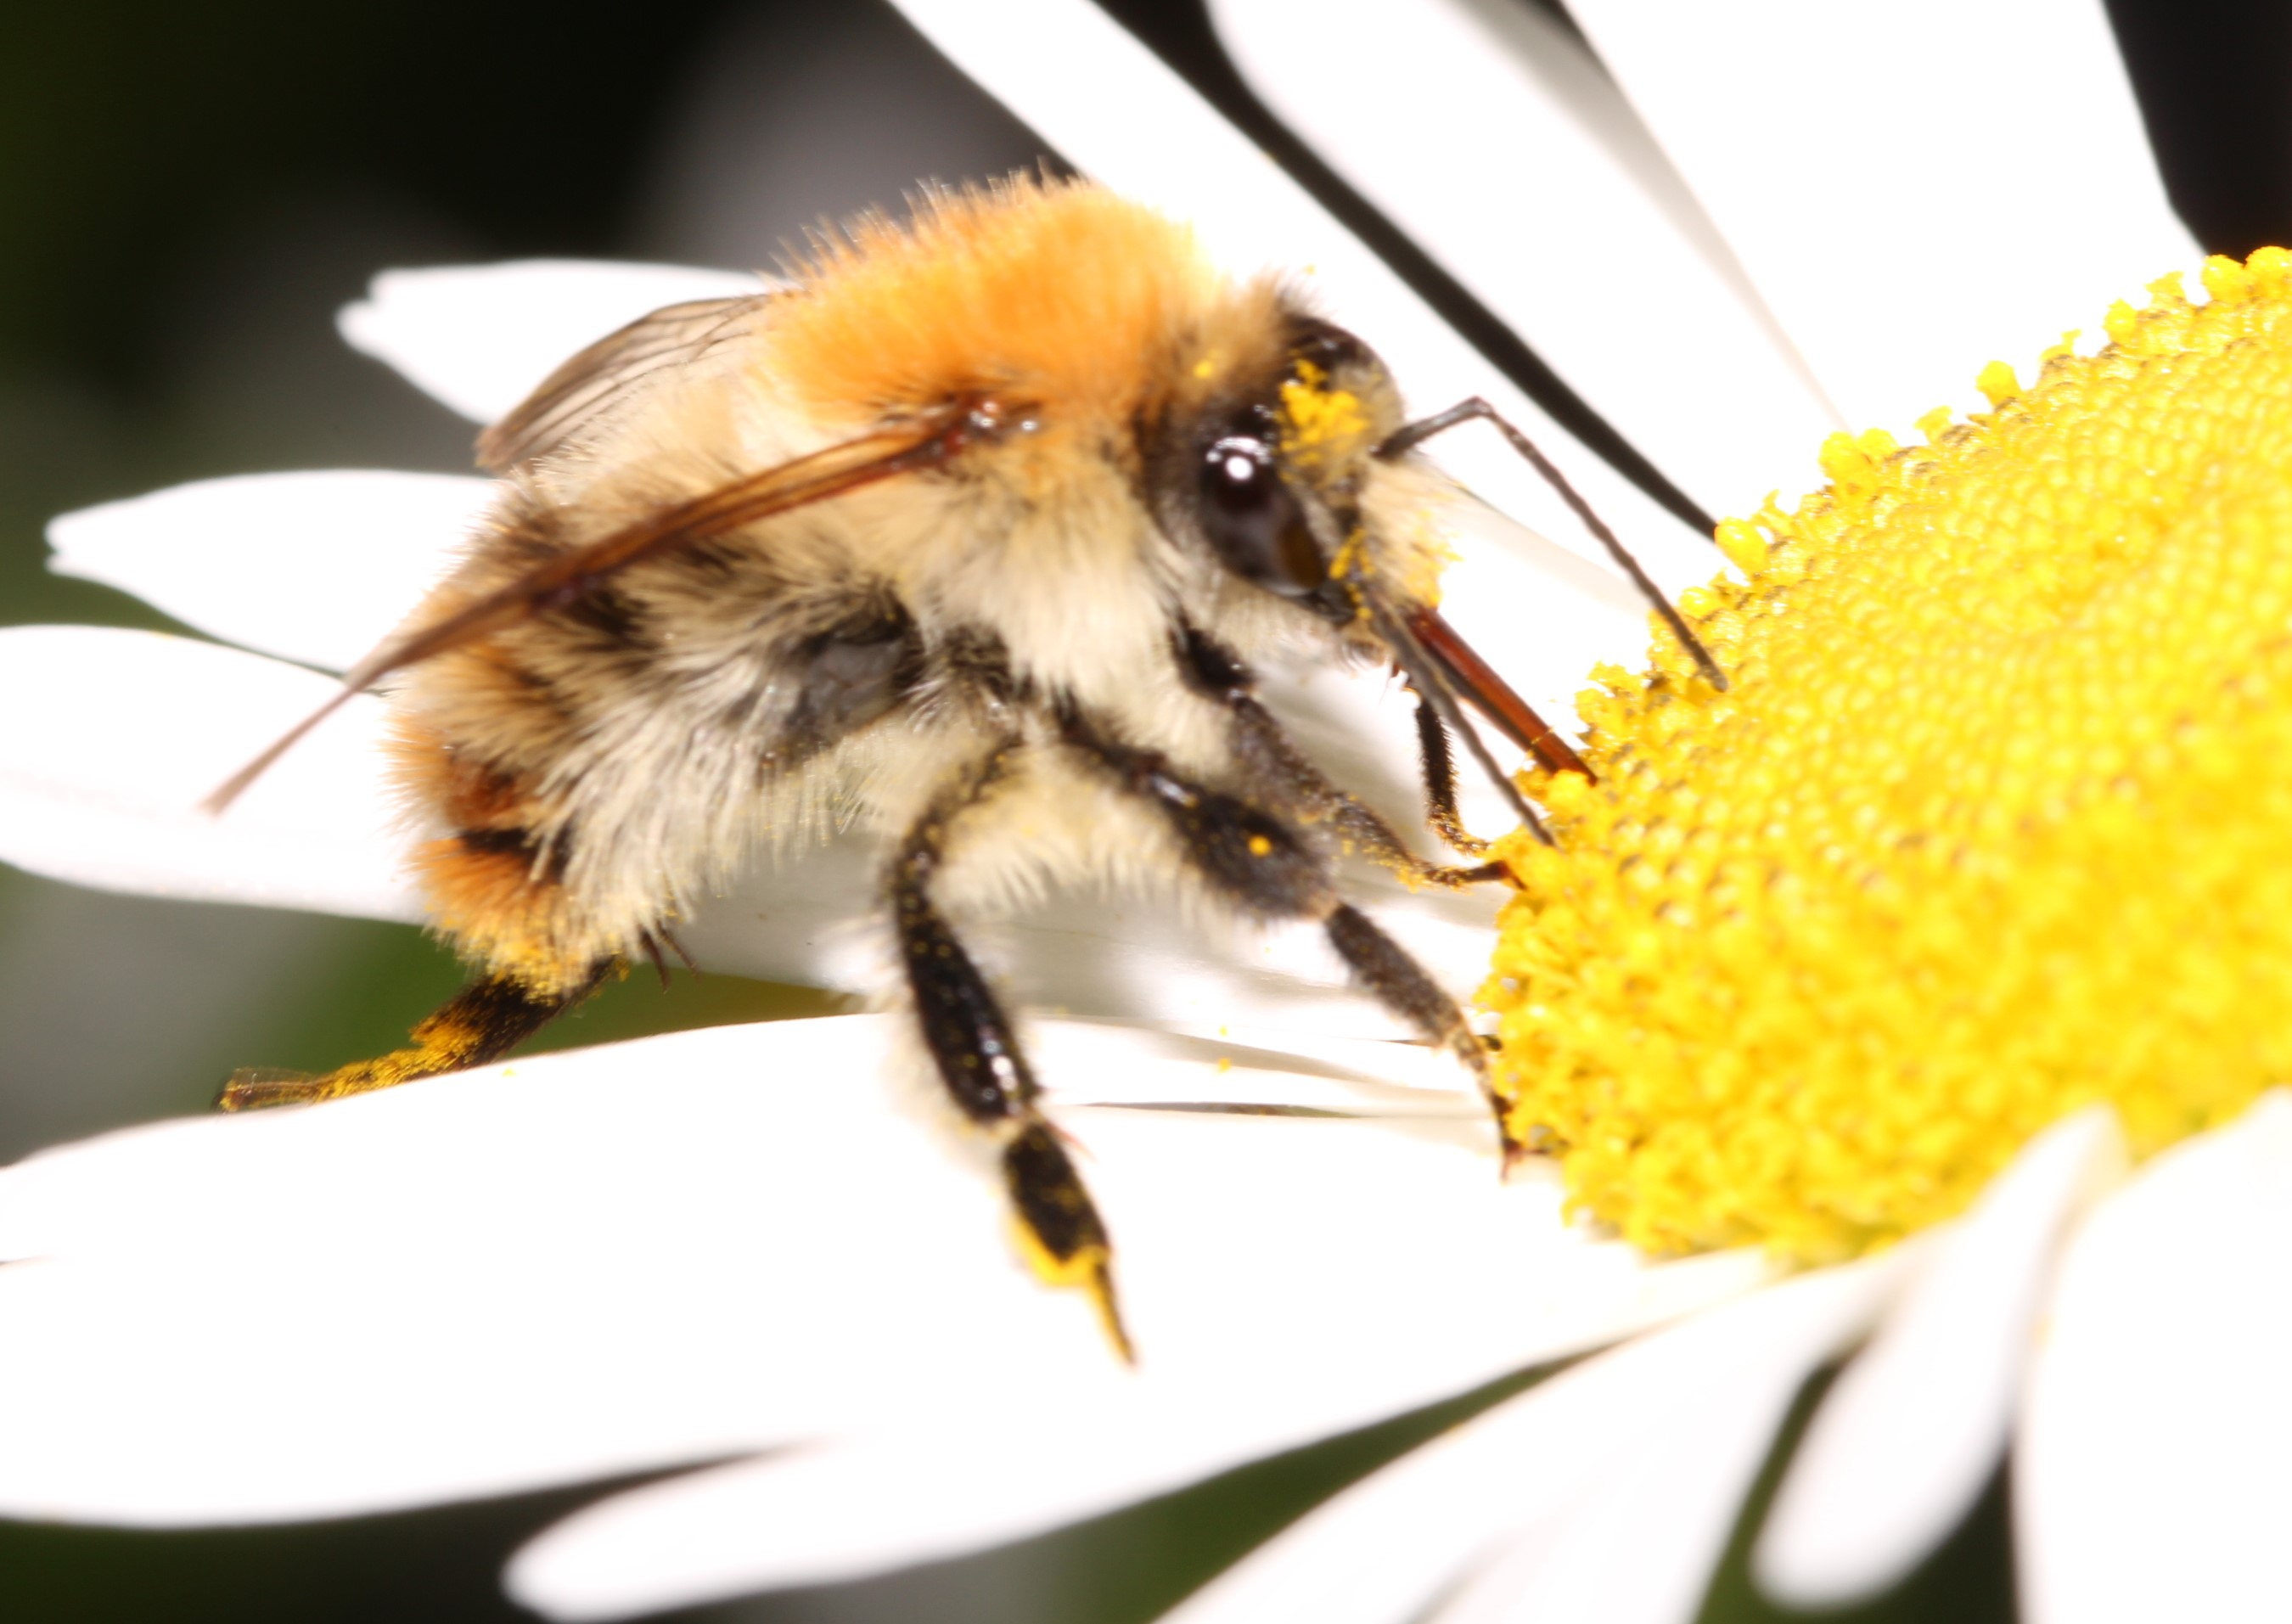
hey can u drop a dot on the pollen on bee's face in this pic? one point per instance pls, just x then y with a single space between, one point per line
1995 822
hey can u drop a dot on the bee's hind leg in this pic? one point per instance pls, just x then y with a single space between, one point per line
482 1022
985 1073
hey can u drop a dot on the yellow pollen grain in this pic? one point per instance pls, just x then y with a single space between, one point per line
1994 822
1318 422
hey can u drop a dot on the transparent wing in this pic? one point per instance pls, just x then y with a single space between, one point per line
589 384
908 447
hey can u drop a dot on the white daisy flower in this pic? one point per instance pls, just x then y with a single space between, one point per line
732 1246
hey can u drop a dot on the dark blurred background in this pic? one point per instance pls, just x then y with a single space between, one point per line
187 195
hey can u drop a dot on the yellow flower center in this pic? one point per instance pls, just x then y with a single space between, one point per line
1995 822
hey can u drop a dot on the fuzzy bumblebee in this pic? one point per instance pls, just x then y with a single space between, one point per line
974 530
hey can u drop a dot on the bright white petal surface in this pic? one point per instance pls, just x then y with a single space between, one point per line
1050 61
964 1481
479 337
1494 138
1640 1546
735 1240
1906 1437
117 736
1605 1493
317 567
1914 192
2150 1475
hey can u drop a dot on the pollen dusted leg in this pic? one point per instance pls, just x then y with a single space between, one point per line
1259 863
980 1062
1215 673
482 1022
1375 839
1437 766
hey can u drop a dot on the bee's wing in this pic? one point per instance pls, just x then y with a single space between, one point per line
592 381
927 442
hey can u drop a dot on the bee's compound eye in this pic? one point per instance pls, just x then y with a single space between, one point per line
1251 517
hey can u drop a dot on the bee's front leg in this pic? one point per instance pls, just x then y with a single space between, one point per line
985 1073
1261 746
1436 765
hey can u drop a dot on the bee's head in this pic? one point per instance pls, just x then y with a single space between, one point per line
1280 462
1266 464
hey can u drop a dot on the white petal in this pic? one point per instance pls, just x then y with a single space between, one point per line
1052 62
1914 1428
726 1240
2150 1475
1915 194
816 1515
479 337
316 567
1604 1493
1153 1067
1640 1548
1492 136
835 1513
119 735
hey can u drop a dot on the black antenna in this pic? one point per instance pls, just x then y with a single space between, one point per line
1180 33
1411 435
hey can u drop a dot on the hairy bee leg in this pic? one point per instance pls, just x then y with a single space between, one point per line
482 1022
1214 672
1438 768
985 1072
1377 840
1264 866
1399 982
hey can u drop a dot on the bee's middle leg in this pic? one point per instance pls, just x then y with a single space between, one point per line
1264 866
1217 673
985 1073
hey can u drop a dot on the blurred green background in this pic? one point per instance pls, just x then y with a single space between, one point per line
187 195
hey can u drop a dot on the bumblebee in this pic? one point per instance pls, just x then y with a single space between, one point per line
972 533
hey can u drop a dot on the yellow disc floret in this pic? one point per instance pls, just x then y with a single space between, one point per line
1995 822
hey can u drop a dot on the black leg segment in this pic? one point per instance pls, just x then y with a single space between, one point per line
979 1063
1265 867
1437 766
963 1028
1400 984
480 1024
1291 781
